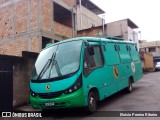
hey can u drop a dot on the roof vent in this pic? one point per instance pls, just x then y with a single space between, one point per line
113 38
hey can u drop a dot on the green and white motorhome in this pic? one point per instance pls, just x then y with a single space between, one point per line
81 71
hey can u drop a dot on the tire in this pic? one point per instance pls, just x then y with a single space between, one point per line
92 102
130 87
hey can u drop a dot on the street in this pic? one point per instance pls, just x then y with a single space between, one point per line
145 97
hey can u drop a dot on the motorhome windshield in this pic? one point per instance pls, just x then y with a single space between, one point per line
58 60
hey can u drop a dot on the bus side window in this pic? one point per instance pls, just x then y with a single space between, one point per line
93 61
98 56
89 60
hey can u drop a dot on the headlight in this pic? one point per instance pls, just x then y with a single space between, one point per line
33 93
75 86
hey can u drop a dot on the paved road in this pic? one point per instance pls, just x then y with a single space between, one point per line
145 97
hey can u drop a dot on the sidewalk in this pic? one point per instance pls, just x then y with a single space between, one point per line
27 108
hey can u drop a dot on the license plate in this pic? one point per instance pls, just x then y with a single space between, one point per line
49 104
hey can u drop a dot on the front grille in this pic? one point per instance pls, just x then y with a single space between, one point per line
50 95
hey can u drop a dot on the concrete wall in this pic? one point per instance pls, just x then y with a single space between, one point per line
20 86
22 69
85 18
157 52
132 35
149 44
153 44
119 28
21 78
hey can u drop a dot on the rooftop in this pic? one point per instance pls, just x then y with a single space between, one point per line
130 23
91 6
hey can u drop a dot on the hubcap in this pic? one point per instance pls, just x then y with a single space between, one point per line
92 103
130 87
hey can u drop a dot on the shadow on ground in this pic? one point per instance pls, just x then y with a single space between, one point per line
80 112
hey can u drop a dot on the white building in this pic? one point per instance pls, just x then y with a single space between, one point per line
123 29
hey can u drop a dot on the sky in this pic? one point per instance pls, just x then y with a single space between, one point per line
144 13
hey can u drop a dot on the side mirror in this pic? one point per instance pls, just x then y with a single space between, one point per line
85 65
90 50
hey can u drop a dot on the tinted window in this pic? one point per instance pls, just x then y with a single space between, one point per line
95 60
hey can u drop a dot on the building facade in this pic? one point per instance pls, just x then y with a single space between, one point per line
28 25
87 15
122 29
152 47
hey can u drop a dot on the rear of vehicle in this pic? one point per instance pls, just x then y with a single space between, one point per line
157 67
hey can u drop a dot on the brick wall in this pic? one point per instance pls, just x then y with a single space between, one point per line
47 16
35 44
5 22
14 47
20 17
85 18
92 32
34 15
62 30
17 19
20 20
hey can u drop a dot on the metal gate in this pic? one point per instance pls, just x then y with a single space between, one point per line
6 85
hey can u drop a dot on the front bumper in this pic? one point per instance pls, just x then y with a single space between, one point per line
75 99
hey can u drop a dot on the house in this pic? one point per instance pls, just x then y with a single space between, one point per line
121 29
87 15
28 25
152 47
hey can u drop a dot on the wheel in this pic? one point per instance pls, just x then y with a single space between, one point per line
130 86
92 102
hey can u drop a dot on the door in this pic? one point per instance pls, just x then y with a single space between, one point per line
6 86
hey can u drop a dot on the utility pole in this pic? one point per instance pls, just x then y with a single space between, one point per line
103 23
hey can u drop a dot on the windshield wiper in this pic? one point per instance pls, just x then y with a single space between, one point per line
46 66
57 68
